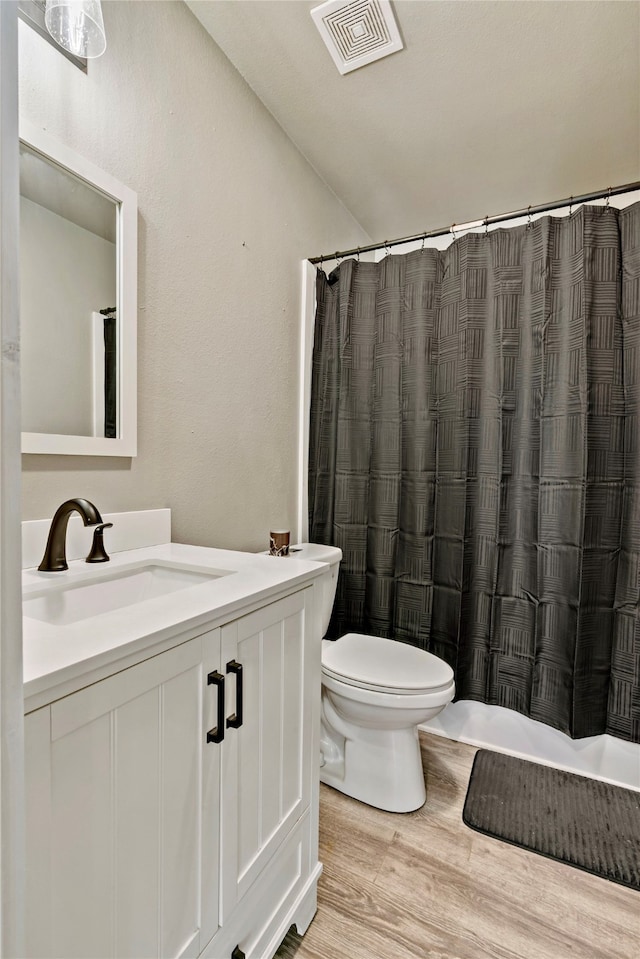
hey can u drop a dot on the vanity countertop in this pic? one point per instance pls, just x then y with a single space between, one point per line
58 659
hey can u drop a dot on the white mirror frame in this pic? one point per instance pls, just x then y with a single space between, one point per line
125 444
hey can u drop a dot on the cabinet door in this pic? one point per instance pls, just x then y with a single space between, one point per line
266 774
123 815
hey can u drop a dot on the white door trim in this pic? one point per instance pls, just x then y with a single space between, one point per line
12 854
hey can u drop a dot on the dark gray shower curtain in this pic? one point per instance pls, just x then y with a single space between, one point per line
475 452
110 377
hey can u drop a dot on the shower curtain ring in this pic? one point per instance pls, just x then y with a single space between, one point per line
358 254
608 198
570 205
453 232
387 248
486 225
423 240
338 258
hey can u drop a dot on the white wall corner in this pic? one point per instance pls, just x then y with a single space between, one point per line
307 326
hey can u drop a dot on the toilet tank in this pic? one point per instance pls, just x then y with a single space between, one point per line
322 554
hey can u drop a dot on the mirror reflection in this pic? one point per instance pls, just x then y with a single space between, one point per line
68 297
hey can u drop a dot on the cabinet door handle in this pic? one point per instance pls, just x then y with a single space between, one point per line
216 735
238 953
235 719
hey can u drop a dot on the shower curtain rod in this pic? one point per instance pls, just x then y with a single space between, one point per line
485 221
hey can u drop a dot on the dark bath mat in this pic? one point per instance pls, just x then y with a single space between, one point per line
585 823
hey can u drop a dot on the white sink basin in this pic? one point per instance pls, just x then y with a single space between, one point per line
74 601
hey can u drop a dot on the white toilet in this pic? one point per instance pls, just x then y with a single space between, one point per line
375 693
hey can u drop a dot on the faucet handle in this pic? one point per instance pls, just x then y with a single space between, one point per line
97 553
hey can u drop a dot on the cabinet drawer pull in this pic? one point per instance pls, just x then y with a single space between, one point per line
238 953
216 735
234 721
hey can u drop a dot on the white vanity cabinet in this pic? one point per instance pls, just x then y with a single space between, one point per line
172 806
270 771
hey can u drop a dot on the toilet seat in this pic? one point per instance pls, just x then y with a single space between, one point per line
387 700
385 666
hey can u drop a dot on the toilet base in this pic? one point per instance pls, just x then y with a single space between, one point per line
382 768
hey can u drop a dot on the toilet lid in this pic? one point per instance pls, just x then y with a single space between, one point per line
375 663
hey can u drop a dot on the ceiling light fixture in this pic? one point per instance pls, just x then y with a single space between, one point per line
77 26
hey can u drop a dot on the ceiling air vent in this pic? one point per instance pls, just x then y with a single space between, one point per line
357 32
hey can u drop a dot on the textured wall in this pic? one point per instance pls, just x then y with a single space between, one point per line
227 209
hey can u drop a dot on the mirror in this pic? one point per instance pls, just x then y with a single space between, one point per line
78 267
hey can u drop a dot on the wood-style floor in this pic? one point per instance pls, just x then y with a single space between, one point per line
424 886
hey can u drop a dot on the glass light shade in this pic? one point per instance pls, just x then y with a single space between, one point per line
77 25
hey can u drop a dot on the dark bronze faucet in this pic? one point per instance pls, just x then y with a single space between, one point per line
55 554
97 553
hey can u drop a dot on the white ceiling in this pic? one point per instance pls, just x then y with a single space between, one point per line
492 105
